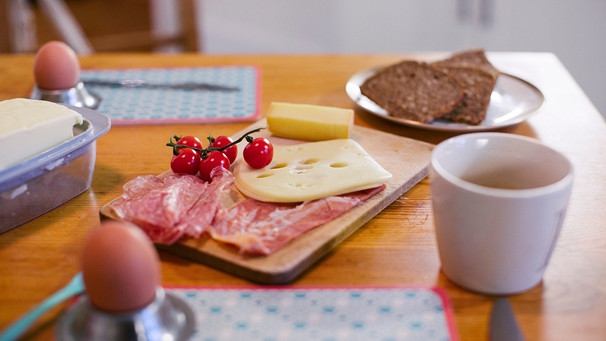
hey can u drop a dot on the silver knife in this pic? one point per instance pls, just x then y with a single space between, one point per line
503 324
138 83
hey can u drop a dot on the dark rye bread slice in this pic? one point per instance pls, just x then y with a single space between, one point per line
478 77
475 57
477 85
413 90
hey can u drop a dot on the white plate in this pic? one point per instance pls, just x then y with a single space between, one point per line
513 100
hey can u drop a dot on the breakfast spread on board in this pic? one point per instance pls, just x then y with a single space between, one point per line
294 184
455 89
274 194
302 168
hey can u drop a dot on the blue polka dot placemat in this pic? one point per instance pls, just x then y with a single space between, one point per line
141 105
322 314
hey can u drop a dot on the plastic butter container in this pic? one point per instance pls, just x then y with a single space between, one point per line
48 180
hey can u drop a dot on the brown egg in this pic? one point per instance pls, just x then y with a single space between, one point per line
121 267
56 66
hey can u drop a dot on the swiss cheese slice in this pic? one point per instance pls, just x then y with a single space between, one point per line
309 122
310 171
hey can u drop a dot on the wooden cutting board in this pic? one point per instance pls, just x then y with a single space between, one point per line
406 159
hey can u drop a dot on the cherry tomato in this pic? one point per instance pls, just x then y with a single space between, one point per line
190 141
258 153
213 160
187 161
231 152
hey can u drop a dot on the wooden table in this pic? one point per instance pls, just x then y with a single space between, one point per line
397 247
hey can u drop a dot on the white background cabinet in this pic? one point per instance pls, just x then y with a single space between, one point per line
572 29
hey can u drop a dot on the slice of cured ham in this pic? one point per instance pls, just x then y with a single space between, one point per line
260 228
169 208
177 206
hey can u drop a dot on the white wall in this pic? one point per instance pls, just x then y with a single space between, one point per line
574 30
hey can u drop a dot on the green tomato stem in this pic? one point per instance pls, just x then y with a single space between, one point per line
204 151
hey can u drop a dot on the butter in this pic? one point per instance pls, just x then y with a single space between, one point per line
309 122
310 171
29 127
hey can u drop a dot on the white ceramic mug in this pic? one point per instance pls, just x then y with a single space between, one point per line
499 201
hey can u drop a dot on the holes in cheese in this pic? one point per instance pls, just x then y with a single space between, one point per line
278 166
309 122
310 171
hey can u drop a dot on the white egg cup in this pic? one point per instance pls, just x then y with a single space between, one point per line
167 318
77 96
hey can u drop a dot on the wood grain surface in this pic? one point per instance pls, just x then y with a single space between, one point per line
396 247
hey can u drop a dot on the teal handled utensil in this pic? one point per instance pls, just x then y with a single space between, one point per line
17 328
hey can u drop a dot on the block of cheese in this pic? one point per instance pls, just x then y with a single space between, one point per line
311 170
28 127
309 122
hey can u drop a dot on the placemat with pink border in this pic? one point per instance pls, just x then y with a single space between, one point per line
141 105
324 314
